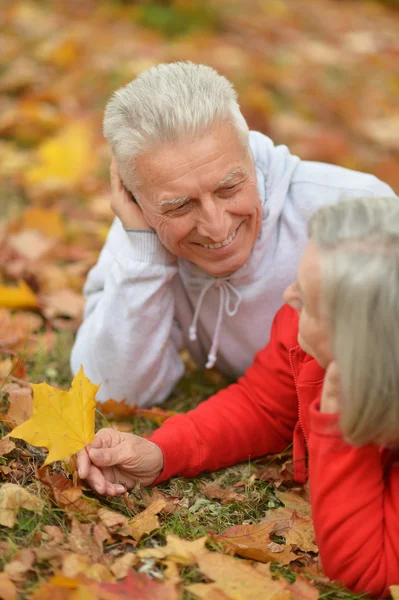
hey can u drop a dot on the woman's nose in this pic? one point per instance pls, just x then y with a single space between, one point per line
290 296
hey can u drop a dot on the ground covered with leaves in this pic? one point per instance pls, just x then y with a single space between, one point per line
320 76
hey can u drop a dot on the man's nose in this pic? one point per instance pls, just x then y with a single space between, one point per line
215 222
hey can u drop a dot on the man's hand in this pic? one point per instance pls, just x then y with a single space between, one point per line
122 203
331 395
116 461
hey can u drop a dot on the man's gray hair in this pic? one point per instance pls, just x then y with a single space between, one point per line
165 104
359 241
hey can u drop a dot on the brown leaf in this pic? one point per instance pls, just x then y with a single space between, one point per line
6 446
147 521
74 564
136 586
253 541
302 534
13 497
295 502
302 589
237 580
112 520
225 495
394 589
21 404
8 591
182 552
22 562
63 303
122 565
65 494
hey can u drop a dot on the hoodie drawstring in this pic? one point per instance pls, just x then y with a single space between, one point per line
226 293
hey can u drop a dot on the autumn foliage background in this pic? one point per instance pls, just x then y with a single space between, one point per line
322 77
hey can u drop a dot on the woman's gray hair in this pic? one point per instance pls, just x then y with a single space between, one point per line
359 240
165 104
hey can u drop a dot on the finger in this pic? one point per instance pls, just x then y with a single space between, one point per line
105 457
96 480
114 489
83 464
104 439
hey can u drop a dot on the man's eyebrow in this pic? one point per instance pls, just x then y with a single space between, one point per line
174 201
230 177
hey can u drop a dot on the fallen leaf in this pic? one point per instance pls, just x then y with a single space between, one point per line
6 446
237 580
112 520
253 541
45 220
31 244
21 403
8 591
302 534
60 587
13 497
394 589
182 552
66 495
63 303
21 563
122 565
225 495
303 589
145 522
136 586
74 564
62 422
18 297
295 502
64 158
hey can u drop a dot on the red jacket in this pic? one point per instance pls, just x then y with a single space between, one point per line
354 491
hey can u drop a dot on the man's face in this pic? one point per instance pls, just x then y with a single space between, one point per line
201 198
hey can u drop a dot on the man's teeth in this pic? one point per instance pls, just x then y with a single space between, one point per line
220 244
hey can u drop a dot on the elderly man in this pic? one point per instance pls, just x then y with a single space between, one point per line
206 239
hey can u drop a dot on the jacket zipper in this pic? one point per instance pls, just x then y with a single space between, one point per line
297 395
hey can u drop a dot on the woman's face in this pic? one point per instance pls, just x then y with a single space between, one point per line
304 297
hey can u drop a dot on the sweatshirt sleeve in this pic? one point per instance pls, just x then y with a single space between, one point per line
355 507
129 340
253 417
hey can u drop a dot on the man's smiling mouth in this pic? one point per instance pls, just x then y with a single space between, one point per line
225 242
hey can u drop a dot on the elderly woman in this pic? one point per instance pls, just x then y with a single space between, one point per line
328 381
202 258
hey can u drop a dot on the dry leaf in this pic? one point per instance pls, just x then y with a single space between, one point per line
8 591
225 495
17 297
122 565
65 158
253 541
237 579
62 422
295 502
136 586
13 497
63 303
302 534
74 564
21 403
31 244
21 563
6 446
146 521
46 221
182 552
394 589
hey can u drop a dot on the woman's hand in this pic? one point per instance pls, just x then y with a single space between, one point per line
116 461
331 394
122 203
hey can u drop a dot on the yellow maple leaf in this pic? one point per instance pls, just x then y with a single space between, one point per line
17 297
62 422
64 158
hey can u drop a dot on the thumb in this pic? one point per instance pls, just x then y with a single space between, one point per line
104 457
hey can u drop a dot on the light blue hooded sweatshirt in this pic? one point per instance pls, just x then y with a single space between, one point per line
144 304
